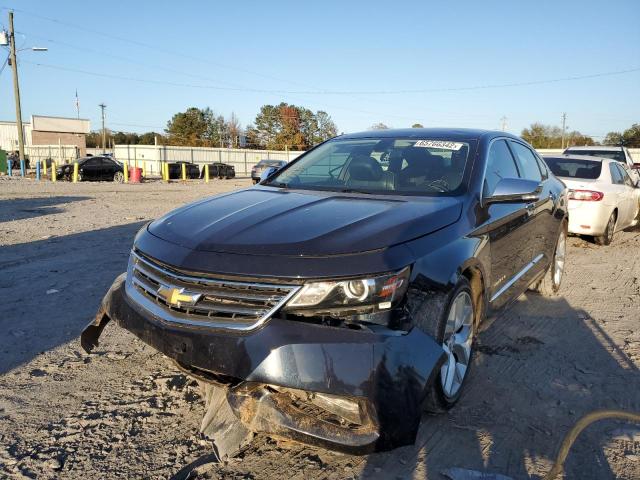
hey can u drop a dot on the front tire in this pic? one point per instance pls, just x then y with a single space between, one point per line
454 329
118 177
607 237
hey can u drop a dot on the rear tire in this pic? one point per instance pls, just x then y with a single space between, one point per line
607 237
549 285
454 329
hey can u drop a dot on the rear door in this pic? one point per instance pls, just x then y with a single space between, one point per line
108 169
508 227
627 196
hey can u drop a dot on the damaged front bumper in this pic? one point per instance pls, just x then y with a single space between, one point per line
349 390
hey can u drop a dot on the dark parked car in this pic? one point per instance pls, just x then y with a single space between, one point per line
220 170
93 169
175 170
14 160
336 301
263 164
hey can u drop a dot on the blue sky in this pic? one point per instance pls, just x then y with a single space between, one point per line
216 54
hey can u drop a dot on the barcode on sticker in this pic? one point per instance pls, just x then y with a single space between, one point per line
439 144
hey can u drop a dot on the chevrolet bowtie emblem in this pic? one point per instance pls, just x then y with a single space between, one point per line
177 296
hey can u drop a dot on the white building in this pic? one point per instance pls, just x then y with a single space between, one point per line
46 130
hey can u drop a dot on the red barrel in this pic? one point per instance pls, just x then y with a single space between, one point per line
135 175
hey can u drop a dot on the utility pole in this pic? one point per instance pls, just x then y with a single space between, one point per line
503 121
564 127
104 132
16 91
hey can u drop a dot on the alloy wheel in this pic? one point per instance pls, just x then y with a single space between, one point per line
458 337
610 227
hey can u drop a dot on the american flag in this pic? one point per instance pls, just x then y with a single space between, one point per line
77 104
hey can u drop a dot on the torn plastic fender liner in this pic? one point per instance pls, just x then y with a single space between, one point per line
390 371
91 333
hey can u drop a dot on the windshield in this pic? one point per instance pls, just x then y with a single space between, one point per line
612 154
380 165
573 168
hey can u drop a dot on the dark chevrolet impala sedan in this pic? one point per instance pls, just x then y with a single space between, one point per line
338 299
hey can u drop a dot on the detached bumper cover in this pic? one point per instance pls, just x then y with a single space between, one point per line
388 373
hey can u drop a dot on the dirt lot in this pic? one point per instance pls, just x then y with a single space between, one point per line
126 412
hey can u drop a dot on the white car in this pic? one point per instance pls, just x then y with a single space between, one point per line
603 199
621 154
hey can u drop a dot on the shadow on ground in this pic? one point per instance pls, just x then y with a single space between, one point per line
538 368
67 275
22 208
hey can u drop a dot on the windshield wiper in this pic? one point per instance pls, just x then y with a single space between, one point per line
278 184
351 190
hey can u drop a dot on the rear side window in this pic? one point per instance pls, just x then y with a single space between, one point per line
626 179
527 162
616 174
574 168
500 164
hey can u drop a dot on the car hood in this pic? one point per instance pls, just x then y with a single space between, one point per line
265 221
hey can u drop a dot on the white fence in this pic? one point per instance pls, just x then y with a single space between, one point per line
152 156
58 153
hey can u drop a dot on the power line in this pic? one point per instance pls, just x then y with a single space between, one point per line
180 54
335 92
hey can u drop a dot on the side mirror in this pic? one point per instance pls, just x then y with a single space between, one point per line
267 172
636 166
515 190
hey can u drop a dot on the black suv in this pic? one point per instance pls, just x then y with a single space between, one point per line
339 298
191 170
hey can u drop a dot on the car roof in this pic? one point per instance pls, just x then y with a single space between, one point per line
569 156
580 157
603 148
431 133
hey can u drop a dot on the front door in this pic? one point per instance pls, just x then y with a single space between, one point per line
91 169
507 226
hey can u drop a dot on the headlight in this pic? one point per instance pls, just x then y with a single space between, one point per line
360 294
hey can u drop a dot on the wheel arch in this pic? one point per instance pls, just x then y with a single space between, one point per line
473 272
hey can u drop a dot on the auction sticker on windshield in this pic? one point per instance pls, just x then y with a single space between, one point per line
439 144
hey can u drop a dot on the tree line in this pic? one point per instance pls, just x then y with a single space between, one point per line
275 127
286 126
629 138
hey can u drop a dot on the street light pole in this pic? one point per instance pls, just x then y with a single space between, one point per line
16 92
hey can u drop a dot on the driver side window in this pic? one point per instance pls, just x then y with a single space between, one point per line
500 164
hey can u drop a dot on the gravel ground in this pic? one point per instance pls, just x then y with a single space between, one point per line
126 412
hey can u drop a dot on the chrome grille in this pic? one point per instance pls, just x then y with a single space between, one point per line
180 297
